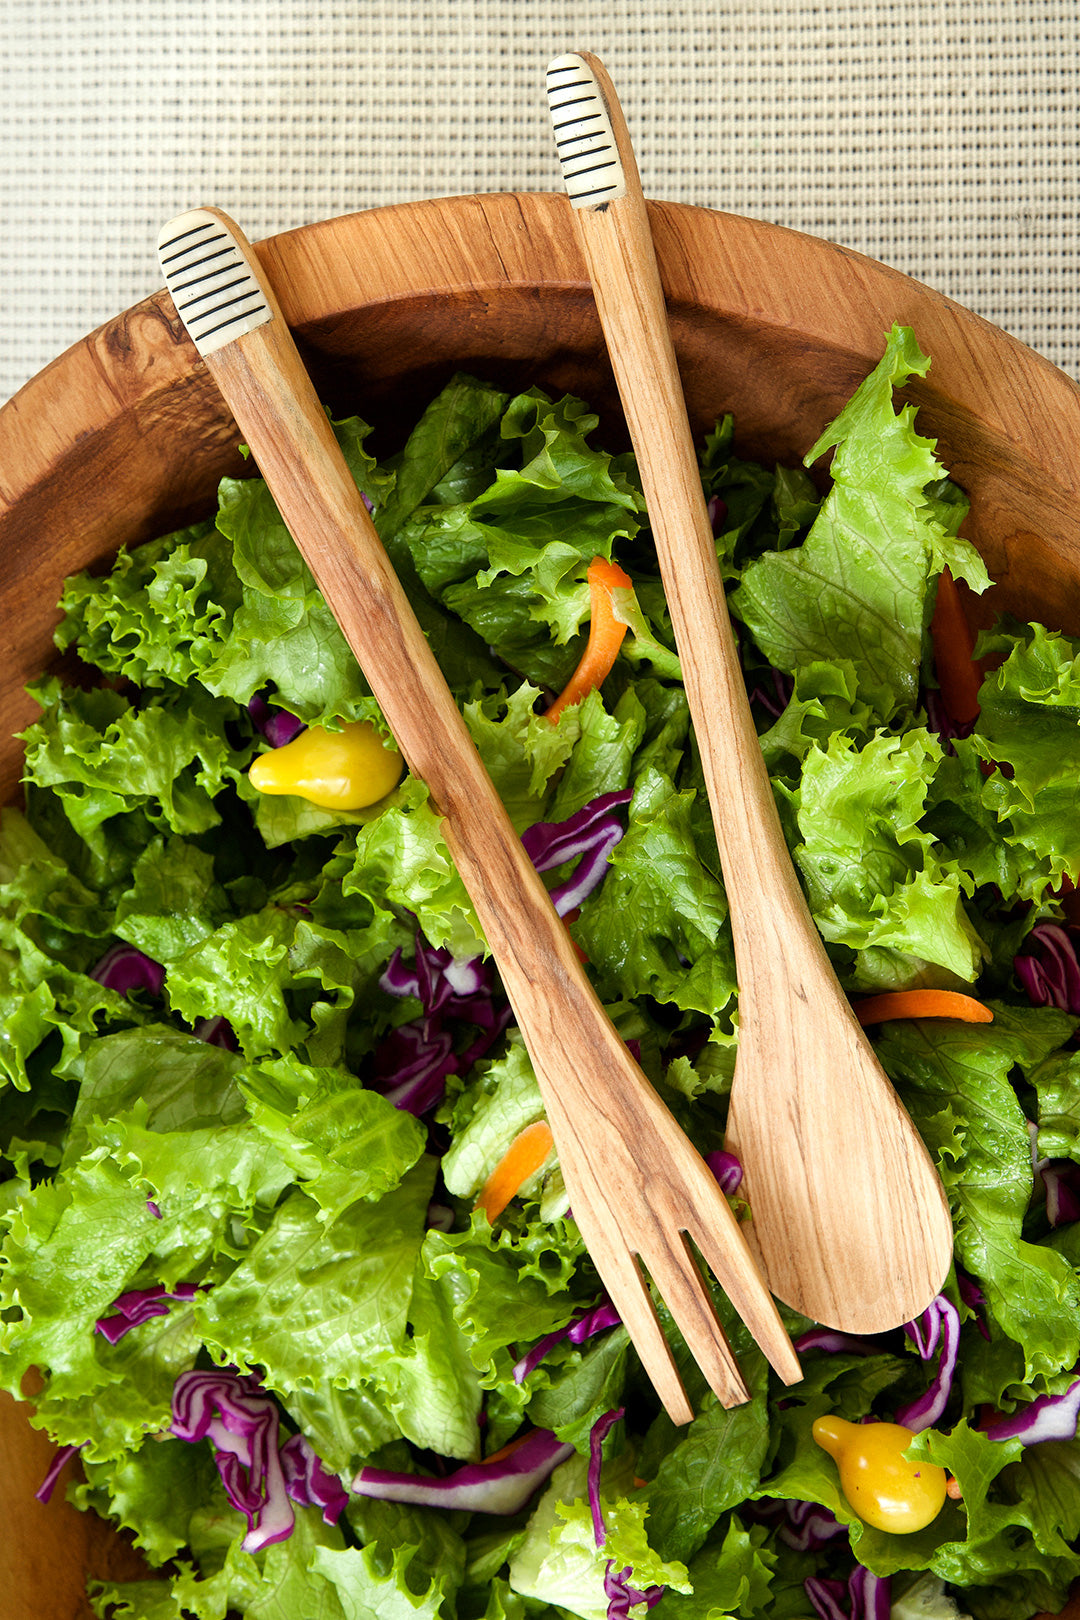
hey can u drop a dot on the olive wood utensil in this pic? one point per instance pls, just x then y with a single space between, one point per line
637 1187
848 1212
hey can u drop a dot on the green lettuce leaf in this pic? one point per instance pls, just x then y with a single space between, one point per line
559 1561
955 1080
856 588
316 1301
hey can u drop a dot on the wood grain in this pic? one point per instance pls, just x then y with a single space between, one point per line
126 436
635 1183
850 1217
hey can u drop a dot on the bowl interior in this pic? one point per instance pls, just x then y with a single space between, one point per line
124 437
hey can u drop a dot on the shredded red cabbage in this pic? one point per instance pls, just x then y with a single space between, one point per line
124 969
154 1210
1048 967
941 722
503 1485
138 1305
940 1322
974 1298
622 1596
309 1482
1061 1179
241 1422
836 1343
590 835
864 1597
277 725
597 1435
598 1317
216 1032
808 1526
60 1461
774 695
727 1170
1048 1417
412 1064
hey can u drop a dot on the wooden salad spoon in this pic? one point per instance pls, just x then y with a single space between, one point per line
637 1187
849 1214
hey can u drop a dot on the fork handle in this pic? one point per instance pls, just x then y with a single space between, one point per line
609 1126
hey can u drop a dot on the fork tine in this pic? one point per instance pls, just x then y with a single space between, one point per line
629 1293
678 1278
744 1287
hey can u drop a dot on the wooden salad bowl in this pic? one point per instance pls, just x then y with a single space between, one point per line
125 437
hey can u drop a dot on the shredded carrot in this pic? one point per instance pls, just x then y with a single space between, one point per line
605 636
505 1451
954 645
952 1489
922 1004
521 1160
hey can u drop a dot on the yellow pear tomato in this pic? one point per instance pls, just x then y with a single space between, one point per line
882 1486
338 770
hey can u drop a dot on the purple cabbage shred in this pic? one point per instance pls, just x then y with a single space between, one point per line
123 969
240 1420
835 1343
60 1461
808 1526
727 1170
503 1486
588 836
622 1596
309 1482
597 1435
941 722
413 1062
277 725
774 695
138 1305
1048 967
938 1325
862 1597
596 1319
974 1298
1061 1179
216 1032
1048 1417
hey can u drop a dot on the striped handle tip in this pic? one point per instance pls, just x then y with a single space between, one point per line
591 167
211 279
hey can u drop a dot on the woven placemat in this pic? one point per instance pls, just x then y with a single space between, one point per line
938 137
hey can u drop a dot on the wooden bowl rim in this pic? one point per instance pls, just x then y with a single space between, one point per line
726 265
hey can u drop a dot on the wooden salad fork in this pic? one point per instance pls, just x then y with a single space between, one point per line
638 1189
848 1212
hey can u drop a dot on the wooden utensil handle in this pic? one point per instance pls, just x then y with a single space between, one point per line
617 242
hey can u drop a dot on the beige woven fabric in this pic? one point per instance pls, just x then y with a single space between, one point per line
940 137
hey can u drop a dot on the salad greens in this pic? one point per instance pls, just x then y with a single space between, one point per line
255 1068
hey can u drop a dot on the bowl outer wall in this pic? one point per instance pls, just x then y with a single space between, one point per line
124 437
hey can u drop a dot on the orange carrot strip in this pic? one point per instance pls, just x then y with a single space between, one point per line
505 1451
922 1004
953 643
521 1160
605 636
